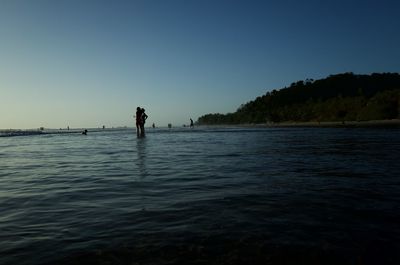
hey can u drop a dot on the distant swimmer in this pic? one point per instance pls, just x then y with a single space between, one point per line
191 122
85 132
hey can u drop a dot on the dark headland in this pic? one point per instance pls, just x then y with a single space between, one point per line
346 99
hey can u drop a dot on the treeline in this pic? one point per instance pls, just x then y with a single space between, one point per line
342 97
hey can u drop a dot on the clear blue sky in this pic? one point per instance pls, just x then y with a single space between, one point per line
87 63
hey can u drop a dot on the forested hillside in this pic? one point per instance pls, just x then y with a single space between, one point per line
342 97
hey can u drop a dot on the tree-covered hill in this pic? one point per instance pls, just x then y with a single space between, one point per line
341 97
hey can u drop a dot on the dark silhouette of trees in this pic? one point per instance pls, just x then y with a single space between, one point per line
341 97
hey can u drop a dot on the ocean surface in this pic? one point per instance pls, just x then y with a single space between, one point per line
202 196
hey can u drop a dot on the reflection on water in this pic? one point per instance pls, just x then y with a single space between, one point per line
201 196
141 157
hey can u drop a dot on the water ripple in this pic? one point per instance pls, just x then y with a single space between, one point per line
213 195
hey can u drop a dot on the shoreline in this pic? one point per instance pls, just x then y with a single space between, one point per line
345 124
394 123
30 132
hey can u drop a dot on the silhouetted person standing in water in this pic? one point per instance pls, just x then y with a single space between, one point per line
138 121
191 122
143 118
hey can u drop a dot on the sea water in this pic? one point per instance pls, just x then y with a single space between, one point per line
202 196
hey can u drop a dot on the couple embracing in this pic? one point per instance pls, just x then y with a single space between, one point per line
141 117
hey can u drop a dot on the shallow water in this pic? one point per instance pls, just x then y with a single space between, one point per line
202 196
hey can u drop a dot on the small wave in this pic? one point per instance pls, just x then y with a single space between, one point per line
10 133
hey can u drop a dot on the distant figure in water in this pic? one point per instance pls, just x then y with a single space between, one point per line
191 122
85 132
154 126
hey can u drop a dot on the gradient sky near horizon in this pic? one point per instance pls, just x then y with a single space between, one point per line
88 63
